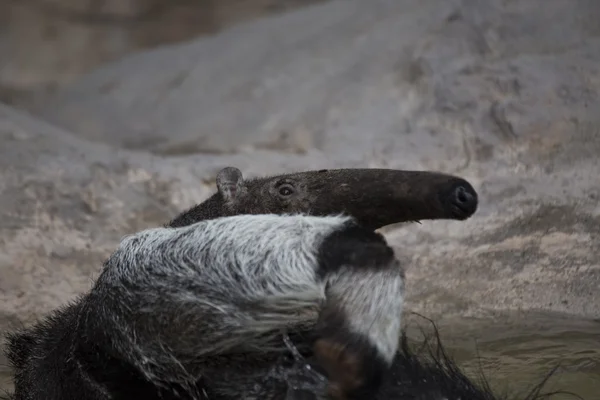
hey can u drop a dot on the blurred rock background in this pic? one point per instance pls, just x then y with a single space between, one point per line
117 114
47 43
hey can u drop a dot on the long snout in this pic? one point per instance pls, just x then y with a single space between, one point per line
380 197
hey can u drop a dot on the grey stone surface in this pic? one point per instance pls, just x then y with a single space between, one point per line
504 93
46 44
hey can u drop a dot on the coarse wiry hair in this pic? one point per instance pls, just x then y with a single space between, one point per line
170 298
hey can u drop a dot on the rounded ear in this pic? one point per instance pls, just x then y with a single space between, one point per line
230 183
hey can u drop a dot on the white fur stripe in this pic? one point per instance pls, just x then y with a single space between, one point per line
176 294
372 302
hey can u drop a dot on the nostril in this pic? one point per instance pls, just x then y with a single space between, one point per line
461 200
461 195
464 198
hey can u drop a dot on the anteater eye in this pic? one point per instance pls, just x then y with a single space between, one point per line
286 190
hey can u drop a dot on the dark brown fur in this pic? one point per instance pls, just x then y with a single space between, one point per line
375 197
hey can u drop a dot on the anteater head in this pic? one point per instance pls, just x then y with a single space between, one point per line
375 197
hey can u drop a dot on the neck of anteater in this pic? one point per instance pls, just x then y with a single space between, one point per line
211 208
